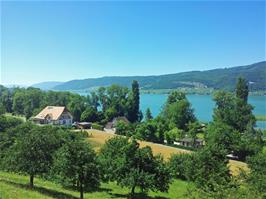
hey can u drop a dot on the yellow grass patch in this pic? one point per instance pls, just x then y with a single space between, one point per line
97 139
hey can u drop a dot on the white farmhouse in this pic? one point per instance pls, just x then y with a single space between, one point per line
56 115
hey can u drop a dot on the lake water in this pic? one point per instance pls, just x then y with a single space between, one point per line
203 105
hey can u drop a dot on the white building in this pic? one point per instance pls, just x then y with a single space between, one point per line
56 115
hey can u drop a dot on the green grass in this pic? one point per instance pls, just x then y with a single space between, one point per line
14 186
260 117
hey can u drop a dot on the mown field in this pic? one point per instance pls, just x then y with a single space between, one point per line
14 186
98 138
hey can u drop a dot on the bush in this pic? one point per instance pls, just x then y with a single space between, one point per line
96 126
181 166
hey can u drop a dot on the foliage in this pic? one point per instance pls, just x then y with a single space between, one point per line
32 152
173 135
257 177
224 78
148 115
133 103
89 115
123 128
130 166
211 170
75 163
7 122
181 166
178 111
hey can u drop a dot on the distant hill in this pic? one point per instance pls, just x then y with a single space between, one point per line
46 85
224 78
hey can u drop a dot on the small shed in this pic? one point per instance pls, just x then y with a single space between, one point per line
82 125
190 142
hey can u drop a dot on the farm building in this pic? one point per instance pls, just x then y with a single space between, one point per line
189 142
56 115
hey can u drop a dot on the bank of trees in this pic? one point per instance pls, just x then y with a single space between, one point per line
100 106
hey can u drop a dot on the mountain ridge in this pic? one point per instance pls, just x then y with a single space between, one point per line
220 78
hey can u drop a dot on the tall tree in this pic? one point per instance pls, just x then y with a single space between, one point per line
134 113
242 89
178 111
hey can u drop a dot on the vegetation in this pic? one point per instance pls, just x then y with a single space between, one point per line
75 163
198 80
130 166
66 157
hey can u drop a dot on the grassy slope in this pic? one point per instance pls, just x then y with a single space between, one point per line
98 138
13 186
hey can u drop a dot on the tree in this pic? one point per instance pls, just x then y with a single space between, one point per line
2 109
257 176
173 135
148 115
222 135
75 162
130 166
211 170
193 129
33 152
122 128
178 111
242 89
182 166
133 106
89 115
147 131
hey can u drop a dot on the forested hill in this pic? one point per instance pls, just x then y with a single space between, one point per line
224 78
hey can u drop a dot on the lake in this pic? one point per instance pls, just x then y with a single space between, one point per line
202 104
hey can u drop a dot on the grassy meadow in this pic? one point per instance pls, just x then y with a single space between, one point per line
97 139
14 186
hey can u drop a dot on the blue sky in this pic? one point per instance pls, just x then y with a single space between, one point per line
60 41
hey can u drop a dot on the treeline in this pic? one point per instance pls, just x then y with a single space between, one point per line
100 106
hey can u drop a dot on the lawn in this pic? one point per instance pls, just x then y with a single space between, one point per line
97 139
13 186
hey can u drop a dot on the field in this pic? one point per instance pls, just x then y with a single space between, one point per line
13 186
98 138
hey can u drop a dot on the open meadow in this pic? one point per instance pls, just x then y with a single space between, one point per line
97 139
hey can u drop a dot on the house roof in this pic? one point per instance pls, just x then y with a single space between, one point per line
121 118
190 140
54 112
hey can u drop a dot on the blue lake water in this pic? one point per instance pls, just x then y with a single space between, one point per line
202 104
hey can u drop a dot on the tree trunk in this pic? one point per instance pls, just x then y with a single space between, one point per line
31 181
133 191
81 190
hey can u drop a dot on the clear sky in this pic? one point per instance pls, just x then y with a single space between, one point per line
60 41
